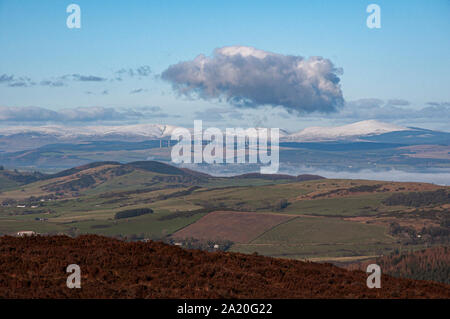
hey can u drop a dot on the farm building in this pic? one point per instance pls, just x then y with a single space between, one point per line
24 233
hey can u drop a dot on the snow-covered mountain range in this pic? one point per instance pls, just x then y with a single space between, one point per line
158 131
354 130
149 131
60 147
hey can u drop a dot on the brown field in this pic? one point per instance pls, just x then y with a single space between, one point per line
239 227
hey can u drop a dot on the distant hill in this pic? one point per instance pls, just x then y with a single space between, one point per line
100 173
158 167
349 131
142 133
370 145
118 269
78 169
414 136
13 178
89 176
303 177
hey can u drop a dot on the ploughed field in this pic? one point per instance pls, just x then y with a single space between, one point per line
239 227
35 267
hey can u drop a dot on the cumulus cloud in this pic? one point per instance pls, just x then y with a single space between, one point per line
63 80
23 81
21 84
146 109
103 92
248 77
438 104
207 115
141 71
79 114
13 81
38 114
5 78
136 91
147 112
434 114
25 114
85 78
399 102
218 114
53 83
89 114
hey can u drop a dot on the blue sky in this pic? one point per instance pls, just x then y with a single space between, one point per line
407 59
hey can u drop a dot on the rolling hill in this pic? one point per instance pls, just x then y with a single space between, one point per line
296 217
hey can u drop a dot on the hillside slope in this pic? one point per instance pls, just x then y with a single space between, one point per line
426 264
35 268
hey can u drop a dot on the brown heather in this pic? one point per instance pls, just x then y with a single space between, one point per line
35 267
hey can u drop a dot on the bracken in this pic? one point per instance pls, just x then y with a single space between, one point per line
35 267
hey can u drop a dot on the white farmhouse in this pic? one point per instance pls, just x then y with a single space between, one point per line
24 233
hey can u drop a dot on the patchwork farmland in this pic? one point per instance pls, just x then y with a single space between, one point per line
297 217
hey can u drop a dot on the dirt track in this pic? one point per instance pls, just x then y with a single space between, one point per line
35 267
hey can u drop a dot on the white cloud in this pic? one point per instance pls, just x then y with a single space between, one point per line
79 114
249 77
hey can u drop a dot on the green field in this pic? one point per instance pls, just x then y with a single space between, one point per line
348 206
306 237
323 231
